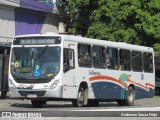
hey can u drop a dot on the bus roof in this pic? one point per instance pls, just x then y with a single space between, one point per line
121 45
91 41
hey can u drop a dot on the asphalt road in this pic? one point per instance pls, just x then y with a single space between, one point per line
17 105
148 108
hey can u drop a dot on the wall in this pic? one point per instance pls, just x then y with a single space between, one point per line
7 24
19 21
51 24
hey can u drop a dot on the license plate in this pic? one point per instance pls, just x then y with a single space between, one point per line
32 95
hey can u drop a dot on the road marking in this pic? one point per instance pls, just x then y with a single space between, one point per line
122 109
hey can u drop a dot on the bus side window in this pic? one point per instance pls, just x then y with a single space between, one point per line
148 62
68 60
125 60
136 61
84 55
98 55
112 58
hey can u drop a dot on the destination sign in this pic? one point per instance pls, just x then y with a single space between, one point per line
37 41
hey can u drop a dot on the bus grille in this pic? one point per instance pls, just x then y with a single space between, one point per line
38 93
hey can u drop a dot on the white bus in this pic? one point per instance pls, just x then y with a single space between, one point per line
86 71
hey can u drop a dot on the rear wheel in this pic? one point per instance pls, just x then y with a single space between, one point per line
79 102
129 101
38 103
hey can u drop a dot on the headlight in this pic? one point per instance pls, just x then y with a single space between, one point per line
54 85
11 84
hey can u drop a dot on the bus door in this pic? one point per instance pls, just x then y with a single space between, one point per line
69 70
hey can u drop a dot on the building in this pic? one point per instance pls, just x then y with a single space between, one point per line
19 17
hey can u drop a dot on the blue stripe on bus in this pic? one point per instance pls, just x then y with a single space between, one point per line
108 90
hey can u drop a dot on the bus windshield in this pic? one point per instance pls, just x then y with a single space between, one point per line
35 62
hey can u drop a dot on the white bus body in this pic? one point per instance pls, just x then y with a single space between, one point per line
84 83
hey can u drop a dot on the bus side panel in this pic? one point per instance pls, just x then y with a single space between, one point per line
147 81
108 90
70 92
106 85
142 93
115 84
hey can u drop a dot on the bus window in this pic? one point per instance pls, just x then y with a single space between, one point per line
148 62
137 61
34 62
84 55
125 63
112 58
68 59
98 53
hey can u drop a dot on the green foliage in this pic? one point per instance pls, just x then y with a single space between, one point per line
157 49
79 11
131 21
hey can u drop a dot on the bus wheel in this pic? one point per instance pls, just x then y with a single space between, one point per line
129 99
38 103
79 102
93 103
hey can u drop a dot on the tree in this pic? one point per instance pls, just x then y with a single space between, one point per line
79 12
131 21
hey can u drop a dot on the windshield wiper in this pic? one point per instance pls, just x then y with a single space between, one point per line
43 51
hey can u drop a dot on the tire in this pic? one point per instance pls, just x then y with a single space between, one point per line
38 103
129 101
93 103
79 102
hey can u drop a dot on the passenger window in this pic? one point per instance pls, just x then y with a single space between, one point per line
84 55
112 58
137 61
98 53
148 62
125 63
68 59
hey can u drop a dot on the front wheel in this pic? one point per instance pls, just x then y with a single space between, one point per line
129 101
38 103
79 102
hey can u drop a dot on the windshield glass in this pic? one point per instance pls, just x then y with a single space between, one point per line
35 62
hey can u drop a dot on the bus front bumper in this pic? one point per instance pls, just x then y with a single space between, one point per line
35 93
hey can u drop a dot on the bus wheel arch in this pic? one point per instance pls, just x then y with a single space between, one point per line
130 97
82 96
